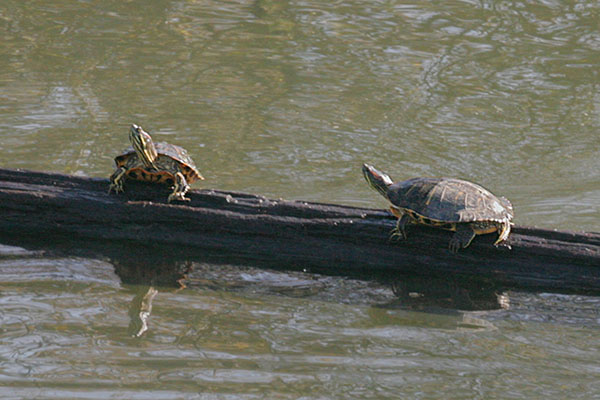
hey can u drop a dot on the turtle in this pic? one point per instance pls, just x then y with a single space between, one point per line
452 204
159 162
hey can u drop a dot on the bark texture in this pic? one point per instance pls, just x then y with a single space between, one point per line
247 228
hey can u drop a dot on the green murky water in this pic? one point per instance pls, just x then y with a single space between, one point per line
288 99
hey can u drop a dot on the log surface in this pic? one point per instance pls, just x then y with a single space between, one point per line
326 238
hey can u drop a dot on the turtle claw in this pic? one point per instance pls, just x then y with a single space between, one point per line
116 186
181 188
454 245
177 196
503 244
397 234
461 239
116 180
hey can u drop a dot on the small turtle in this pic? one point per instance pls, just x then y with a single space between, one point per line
154 162
452 204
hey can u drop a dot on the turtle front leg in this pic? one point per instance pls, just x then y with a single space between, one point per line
116 180
181 188
400 230
463 237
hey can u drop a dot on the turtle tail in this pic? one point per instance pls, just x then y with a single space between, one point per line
377 179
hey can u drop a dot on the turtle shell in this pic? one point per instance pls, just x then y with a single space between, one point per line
449 200
163 149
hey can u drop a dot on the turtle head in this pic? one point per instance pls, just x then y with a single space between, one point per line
143 145
377 179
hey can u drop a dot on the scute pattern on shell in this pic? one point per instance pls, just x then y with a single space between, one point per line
449 200
177 153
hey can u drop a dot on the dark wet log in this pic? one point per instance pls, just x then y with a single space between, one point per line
325 238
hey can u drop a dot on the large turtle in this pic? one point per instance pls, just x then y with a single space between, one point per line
154 162
453 204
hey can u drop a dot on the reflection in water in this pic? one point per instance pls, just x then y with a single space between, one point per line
253 329
449 292
140 310
150 271
145 268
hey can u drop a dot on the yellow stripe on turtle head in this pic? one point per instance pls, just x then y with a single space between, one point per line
143 145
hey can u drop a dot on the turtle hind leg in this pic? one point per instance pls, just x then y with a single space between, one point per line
116 180
399 232
181 188
462 238
503 232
